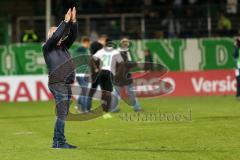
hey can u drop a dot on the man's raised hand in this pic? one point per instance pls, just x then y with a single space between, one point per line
68 15
73 17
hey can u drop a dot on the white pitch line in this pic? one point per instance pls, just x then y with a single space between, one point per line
23 133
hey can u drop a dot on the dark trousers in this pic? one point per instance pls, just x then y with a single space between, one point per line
62 94
92 91
105 82
105 79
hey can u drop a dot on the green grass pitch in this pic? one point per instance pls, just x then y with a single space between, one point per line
212 133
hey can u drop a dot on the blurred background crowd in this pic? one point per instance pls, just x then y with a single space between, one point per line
24 21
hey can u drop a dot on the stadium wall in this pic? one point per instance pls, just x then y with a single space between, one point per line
176 54
198 67
194 83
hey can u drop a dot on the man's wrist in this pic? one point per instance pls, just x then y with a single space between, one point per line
74 21
66 21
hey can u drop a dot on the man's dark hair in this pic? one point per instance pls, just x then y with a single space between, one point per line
85 39
110 43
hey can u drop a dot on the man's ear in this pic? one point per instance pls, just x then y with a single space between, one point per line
49 34
51 31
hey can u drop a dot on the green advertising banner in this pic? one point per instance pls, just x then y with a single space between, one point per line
176 54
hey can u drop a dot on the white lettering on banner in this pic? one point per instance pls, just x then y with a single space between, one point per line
224 85
155 86
172 82
24 88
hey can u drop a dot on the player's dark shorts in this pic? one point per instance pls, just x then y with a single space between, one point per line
105 80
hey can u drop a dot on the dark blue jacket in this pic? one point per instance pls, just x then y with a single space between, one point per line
56 55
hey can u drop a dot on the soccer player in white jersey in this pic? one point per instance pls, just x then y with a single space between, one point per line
109 59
